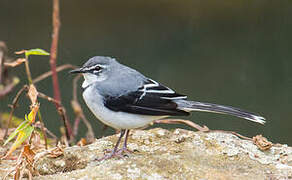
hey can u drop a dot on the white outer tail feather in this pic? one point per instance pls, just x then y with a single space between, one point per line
215 108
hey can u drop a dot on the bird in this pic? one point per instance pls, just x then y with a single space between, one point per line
125 99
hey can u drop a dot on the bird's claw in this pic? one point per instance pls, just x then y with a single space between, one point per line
119 153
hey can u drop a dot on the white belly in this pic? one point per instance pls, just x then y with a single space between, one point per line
117 120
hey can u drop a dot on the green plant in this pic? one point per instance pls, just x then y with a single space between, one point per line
26 128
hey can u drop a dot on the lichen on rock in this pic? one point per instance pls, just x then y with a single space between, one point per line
176 154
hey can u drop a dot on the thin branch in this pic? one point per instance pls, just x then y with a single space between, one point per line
234 133
75 80
49 73
1 64
13 106
35 100
61 111
43 128
8 88
50 99
79 113
69 134
27 70
182 121
7 83
198 127
90 134
38 125
76 125
54 50
3 52
15 63
53 60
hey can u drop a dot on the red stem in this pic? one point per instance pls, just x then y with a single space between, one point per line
53 59
54 49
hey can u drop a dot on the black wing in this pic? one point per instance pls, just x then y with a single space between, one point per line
151 99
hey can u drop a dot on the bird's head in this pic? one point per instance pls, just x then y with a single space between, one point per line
96 69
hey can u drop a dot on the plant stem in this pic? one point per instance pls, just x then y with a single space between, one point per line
13 106
39 112
43 128
53 59
54 49
27 70
49 73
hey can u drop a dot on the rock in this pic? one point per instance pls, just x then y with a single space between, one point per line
177 154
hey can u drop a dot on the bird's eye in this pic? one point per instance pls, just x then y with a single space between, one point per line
97 69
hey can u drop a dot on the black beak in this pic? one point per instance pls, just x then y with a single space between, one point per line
79 70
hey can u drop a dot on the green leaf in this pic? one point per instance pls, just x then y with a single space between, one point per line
23 125
37 51
22 136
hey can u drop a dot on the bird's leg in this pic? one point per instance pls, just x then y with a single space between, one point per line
126 139
124 148
115 151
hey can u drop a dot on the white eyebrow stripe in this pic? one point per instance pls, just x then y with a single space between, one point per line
93 67
103 66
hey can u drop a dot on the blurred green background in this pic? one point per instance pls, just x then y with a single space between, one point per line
227 52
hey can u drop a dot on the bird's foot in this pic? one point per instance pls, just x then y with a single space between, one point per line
124 150
119 153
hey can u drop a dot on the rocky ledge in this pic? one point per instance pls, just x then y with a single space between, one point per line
175 154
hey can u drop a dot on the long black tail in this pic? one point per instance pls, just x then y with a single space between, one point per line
208 107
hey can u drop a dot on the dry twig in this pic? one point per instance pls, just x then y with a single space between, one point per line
3 51
15 63
61 111
182 121
13 106
232 132
49 73
198 127
79 113
9 87
38 125
6 84
50 99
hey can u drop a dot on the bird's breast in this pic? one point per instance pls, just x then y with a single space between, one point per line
117 120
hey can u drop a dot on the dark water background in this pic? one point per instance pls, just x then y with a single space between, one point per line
228 52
